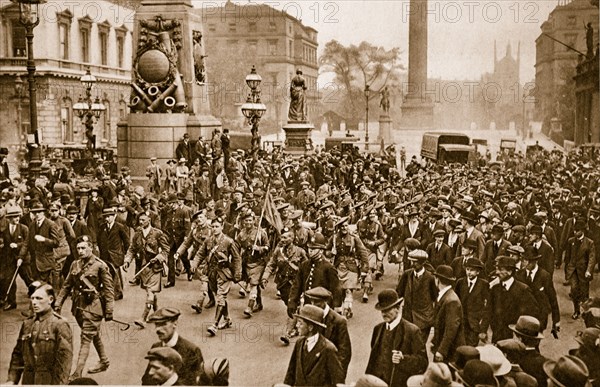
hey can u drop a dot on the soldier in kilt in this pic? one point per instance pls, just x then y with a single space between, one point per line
150 244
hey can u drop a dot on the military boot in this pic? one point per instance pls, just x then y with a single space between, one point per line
226 322
84 352
104 363
212 330
198 306
142 322
250 307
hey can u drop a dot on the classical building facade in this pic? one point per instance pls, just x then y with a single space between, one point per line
555 62
71 37
281 42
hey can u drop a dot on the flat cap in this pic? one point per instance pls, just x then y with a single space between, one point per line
439 232
164 314
418 255
165 355
318 293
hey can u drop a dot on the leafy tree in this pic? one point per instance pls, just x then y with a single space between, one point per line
355 68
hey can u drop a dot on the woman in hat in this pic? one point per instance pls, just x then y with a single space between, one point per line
170 184
314 361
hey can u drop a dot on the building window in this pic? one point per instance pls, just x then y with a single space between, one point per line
106 121
272 47
19 42
252 27
272 26
121 34
232 27
291 48
212 27
572 21
64 20
63 41
103 48
232 42
84 36
252 45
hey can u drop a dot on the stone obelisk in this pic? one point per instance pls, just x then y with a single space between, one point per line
417 109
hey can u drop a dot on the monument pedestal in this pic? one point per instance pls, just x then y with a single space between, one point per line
385 129
297 137
417 113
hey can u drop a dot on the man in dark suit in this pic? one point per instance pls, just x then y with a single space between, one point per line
527 330
79 229
509 299
314 361
467 251
439 252
448 324
494 247
541 285
474 294
541 248
337 325
113 242
185 150
13 247
580 258
397 349
417 287
165 320
568 233
469 219
43 238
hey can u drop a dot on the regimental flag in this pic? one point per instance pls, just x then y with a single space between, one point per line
271 214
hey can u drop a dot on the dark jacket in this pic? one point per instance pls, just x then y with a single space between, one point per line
442 257
407 339
113 244
192 362
490 253
313 274
448 326
337 333
544 293
476 304
319 367
508 305
532 362
419 297
42 253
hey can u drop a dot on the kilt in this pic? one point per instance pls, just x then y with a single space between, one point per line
151 280
348 279
254 272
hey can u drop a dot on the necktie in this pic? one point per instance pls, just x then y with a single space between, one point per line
438 247
505 286
471 284
531 276
12 229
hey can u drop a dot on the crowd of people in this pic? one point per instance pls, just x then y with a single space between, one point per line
479 250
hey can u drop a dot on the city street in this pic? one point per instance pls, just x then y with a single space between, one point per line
257 358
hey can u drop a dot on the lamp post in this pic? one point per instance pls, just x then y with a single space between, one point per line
29 18
88 110
253 109
19 94
367 92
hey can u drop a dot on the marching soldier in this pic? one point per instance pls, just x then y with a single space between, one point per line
44 350
373 236
90 286
150 245
350 258
254 246
220 263
326 223
302 235
285 262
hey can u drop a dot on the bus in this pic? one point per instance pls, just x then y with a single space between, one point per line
446 147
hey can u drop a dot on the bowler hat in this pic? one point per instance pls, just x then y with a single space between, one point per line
535 229
464 353
477 373
470 244
531 254
164 314
166 355
527 326
72 209
36 206
108 212
318 293
475 263
387 299
312 314
568 371
580 225
445 272
469 215
497 229
589 337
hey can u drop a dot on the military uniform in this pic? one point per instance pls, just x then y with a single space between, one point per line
150 245
90 285
372 235
221 260
44 351
254 246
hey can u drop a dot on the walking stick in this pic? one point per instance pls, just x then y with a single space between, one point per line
142 269
13 279
126 325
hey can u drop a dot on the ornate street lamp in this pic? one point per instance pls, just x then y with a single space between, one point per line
367 95
88 110
29 17
253 109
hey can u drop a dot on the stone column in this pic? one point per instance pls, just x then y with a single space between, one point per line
385 129
417 109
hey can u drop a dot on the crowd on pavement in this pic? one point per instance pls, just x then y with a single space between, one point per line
479 248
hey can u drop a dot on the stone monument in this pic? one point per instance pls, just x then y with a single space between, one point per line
385 121
169 96
417 109
298 129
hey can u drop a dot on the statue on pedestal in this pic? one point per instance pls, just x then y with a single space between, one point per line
199 56
385 100
297 111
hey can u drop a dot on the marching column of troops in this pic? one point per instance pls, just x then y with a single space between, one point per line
479 249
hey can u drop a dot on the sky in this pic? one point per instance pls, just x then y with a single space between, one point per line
461 33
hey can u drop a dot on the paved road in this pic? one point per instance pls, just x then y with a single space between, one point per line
256 356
